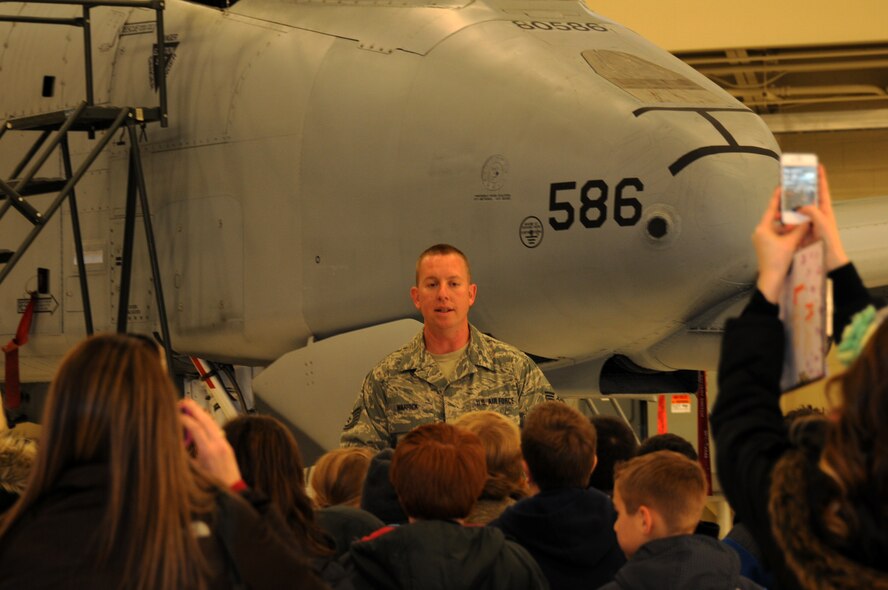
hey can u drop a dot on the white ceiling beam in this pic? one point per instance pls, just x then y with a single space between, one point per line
827 121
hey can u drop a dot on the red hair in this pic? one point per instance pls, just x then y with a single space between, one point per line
438 471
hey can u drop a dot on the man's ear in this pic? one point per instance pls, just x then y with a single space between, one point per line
594 464
414 295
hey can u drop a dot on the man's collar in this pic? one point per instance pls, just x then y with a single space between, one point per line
479 352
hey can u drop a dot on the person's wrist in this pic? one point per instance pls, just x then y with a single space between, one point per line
836 259
770 285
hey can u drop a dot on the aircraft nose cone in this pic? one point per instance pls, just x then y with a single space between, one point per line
713 169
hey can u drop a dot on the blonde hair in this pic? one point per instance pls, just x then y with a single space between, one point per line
17 456
502 446
338 476
667 482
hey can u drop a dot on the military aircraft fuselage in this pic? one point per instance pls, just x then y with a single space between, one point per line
603 191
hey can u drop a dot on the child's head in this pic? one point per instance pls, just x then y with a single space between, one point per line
338 476
657 495
438 471
667 441
616 443
558 444
502 444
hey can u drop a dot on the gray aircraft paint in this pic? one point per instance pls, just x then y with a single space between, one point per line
315 148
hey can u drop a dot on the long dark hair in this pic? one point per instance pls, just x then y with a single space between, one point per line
112 403
856 448
271 463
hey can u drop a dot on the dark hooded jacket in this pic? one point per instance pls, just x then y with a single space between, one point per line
570 533
441 555
773 481
683 562
344 525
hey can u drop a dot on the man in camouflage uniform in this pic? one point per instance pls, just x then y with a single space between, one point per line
448 369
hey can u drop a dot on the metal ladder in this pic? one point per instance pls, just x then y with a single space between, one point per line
54 129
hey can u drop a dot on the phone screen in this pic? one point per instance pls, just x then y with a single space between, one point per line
799 186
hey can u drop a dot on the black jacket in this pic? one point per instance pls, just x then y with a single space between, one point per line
53 545
683 562
344 525
751 441
441 555
570 533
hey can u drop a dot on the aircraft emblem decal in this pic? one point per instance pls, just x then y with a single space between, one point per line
531 231
494 171
732 147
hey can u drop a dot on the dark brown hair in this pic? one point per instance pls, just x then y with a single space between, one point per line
269 460
438 471
558 444
666 481
856 448
615 443
111 402
668 441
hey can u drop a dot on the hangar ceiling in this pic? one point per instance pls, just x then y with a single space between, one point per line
832 101
816 71
791 80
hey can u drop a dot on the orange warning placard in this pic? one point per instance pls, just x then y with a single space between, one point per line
681 404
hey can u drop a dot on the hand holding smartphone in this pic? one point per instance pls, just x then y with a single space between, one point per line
799 186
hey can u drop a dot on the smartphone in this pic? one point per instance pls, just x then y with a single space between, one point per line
798 173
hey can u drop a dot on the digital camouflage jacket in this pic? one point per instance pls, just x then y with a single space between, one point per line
407 389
